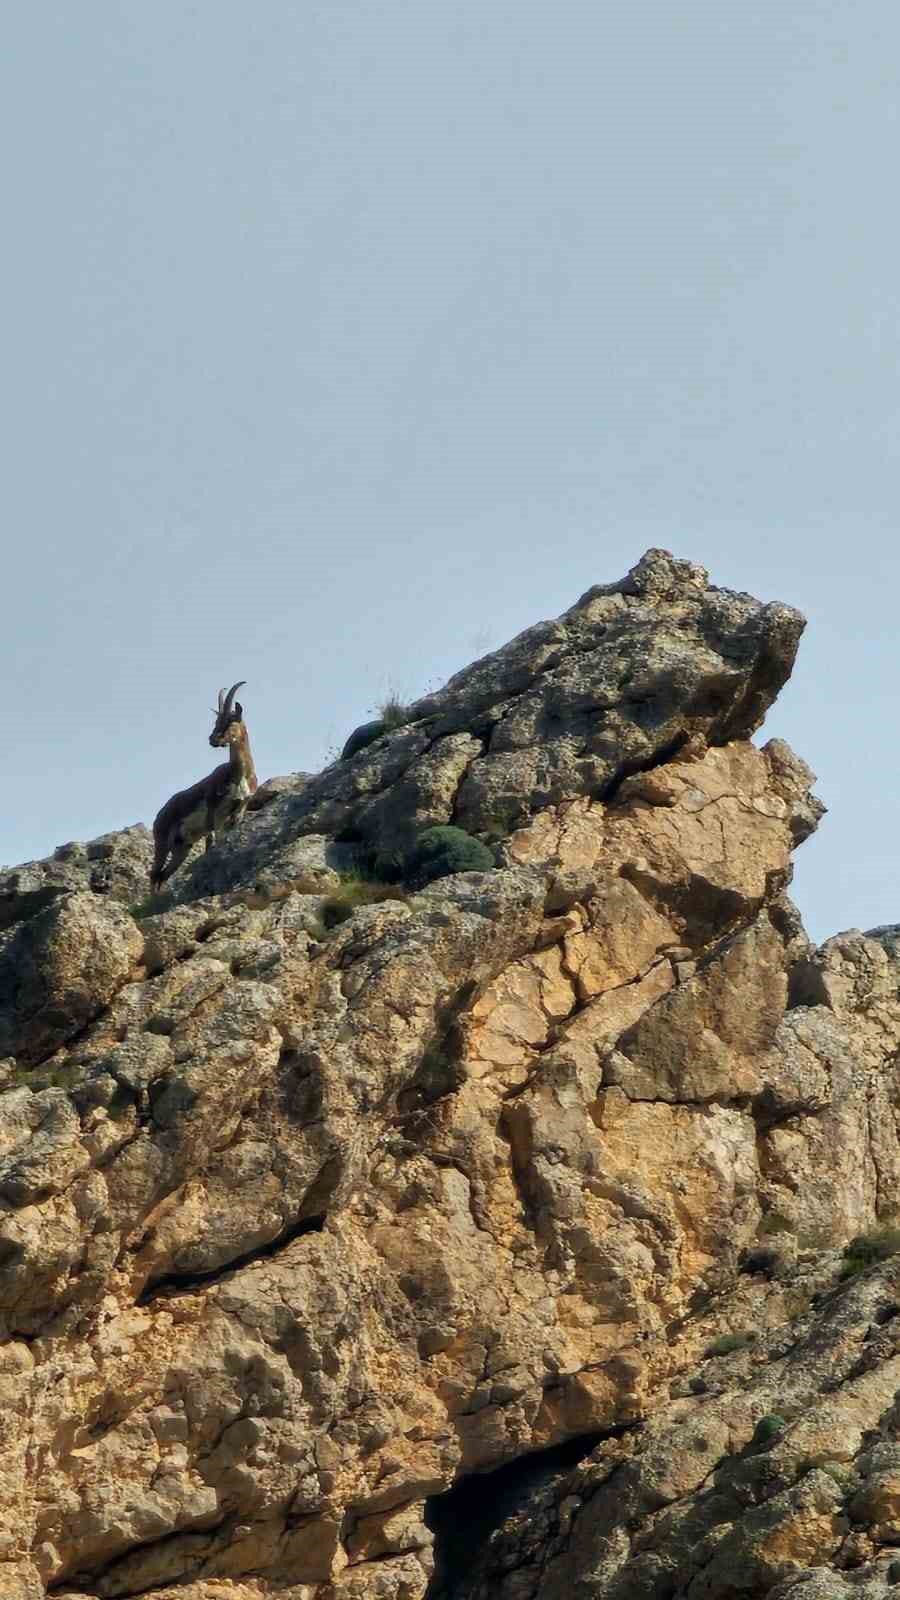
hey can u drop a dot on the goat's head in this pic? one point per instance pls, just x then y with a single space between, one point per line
229 718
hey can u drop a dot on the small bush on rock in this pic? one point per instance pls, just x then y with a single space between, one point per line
389 866
772 1225
727 1342
768 1428
356 890
393 713
439 851
21 1076
868 1248
841 1472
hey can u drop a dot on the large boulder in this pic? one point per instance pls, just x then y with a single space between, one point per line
59 970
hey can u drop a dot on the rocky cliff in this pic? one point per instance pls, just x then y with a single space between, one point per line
524 1233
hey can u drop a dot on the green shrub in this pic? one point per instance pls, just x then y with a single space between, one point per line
439 851
356 890
768 1427
867 1248
727 1342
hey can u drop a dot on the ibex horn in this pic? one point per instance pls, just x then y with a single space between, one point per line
226 706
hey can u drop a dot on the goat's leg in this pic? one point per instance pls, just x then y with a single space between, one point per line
180 850
160 851
235 817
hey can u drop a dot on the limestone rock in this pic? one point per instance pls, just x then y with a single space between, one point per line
115 865
60 968
535 1172
775 1476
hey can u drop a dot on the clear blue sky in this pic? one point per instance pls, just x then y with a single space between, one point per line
342 340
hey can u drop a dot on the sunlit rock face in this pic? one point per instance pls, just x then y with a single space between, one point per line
304 1222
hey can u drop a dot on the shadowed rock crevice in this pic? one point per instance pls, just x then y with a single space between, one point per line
441 1071
176 1283
609 790
114 1580
471 1556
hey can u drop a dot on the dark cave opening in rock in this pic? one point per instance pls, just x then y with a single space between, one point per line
465 1517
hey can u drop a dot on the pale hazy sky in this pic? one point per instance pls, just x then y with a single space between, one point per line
343 339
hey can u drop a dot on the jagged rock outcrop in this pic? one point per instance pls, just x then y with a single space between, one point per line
304 1223
633 673
59 969
115 866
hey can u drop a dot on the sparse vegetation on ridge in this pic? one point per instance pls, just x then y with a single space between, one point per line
356 889
434 853
22 1076
392 713
391 874
867 1248
729 1342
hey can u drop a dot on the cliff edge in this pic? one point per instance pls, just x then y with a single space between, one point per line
521 1233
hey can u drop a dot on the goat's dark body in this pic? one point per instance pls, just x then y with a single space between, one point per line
203 810
207 792
209 806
